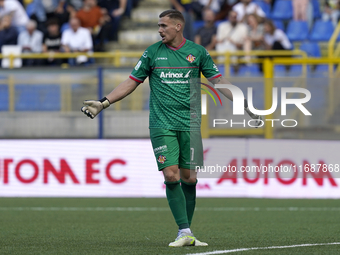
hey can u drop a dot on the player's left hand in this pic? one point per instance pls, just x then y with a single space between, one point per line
257 118
92 107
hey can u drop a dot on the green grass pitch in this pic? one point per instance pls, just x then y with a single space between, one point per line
146 226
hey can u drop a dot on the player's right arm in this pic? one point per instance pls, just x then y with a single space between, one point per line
123 89
91 108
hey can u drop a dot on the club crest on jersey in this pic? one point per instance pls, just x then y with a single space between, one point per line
161 159
191 58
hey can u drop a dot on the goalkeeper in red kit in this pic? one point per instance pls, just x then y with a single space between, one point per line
174 124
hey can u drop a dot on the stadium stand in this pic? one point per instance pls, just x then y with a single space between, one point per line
248 71
4 98
316 9
279 24
282 10
297 30
44 97
265 7
321 31
311 48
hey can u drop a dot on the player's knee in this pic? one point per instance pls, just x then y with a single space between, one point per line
170 178
171 174
190 179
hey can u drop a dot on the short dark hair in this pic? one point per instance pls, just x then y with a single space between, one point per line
52 21
173 14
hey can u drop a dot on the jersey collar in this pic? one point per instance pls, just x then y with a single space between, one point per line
178 47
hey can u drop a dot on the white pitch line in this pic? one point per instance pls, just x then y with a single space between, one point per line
263 248
157 209
120 209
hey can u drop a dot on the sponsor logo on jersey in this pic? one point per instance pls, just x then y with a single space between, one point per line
171 75
174 75
215 67
145 54
161 159
161 58
191 58
161 149
138 65
187 75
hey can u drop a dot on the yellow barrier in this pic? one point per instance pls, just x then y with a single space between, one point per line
115 56
268 67
331 43
316 61
258 53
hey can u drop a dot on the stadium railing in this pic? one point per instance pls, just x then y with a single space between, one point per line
269 64
334 53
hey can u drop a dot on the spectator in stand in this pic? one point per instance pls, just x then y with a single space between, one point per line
300 9
255 35
76 39
247 7
31 42
116 9
92 18
8 33
52 41
185 7
55 9
226 7
206 35
201 5
72 6
332 11
49 9
231 34
16 11
274 39
38 14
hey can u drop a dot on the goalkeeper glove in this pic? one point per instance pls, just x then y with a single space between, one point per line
257 118
92 107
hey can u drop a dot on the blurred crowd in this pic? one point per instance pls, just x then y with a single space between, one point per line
86 25
247 27
231 25
61 26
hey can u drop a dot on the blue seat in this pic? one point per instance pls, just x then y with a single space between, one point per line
265 7
221 69
297 30
218 22
321 31
316 9
311 48
252 70
198 24
279 70
279 24
282 10
4 98
44 97
64 27
30 8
